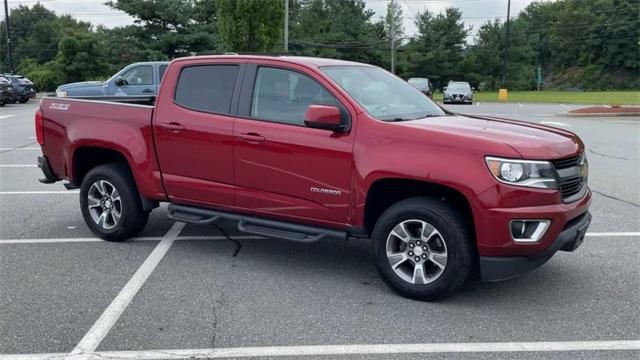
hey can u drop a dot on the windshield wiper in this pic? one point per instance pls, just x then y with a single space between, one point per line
414 118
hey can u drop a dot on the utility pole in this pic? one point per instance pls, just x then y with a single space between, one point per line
286 25
8 31
506 48
392 30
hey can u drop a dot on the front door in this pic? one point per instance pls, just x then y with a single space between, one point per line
138 81
282 167
194 132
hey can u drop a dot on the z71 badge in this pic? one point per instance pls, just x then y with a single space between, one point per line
59 106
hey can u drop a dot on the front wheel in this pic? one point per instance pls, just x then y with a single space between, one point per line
423 249
110 203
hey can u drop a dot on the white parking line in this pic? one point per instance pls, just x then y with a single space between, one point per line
219 237
613 234
6 116
12 149
565 106
144 238
337 350
519 104
38 192
555 123
99 330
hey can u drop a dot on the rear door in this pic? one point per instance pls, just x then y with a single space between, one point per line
194 131
282 167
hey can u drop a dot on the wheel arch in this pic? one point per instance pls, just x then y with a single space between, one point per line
385 192
86 158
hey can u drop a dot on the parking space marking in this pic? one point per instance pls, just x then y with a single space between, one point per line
38 192
220 237
112 313
18 148
143 238
519 104
6 116
612 234
555 123
337 350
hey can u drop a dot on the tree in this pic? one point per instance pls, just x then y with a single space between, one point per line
174 27
341 29
438 50
394 20
36 32
250 26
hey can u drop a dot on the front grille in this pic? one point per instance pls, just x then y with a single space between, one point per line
572 184
567 162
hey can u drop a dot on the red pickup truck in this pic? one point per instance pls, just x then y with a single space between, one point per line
306 149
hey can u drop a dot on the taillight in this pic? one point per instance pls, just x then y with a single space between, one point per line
40 127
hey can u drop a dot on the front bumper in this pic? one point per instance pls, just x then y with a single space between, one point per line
503 267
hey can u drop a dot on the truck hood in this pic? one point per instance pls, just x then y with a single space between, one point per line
82 85
531 141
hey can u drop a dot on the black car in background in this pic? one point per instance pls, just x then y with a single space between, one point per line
6 91
22 87
422 84
458 92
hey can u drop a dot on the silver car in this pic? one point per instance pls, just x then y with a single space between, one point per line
458 92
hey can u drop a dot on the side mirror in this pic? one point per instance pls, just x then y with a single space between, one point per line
444 88
121 81
323 117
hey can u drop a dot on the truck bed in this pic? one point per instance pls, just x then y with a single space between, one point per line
77 127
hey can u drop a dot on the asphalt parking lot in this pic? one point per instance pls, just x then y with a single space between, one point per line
188 292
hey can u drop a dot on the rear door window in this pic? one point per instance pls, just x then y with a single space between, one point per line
207 88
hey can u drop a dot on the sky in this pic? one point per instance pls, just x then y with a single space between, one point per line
474 12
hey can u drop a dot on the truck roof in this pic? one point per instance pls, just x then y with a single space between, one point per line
302 60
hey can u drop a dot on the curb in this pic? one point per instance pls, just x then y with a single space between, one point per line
637 114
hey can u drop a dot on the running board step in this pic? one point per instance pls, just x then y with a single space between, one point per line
254 225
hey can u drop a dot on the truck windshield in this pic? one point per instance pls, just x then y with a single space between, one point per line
383 95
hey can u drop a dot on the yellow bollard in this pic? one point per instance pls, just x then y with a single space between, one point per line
503 95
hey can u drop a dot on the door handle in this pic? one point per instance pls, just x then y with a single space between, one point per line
172 126
253 138
147 91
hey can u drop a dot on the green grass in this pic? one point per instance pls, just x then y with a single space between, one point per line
563 97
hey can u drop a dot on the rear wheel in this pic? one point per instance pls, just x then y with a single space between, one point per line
423 249
110 203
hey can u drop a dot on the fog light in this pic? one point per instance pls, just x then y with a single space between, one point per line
528 230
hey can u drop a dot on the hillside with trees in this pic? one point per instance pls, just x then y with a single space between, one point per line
573 44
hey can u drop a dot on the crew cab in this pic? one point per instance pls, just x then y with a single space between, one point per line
308 149
137 79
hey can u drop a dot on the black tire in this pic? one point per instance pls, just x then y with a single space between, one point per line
22 101
1 103
132 216
455 233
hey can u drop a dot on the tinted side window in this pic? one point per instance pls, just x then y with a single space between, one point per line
161 71
283 96
139 75
207 88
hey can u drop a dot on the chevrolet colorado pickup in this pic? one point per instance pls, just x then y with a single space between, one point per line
306 149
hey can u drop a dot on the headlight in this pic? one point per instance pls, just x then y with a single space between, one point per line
537 174
61 93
